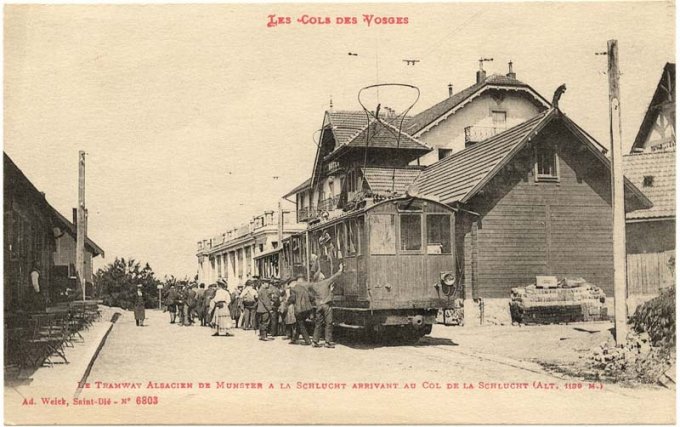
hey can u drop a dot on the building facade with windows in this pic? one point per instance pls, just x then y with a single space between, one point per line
232 254
534 200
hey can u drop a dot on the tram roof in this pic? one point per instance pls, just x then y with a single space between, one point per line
369 206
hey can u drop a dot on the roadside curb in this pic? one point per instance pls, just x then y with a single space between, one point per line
116 315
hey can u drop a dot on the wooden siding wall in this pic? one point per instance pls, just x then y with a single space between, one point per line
530 228
28 238
649 246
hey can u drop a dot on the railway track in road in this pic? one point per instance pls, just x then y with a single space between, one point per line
524 366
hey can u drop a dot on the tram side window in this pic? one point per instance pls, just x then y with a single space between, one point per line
359 235
342 240
438 234
411 233
382 234
352 238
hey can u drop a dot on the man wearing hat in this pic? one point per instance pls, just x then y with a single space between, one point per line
171 303
264 309
249 298
198 306
323 317
275 296
139 307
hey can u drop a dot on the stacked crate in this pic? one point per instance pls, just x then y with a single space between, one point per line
570 300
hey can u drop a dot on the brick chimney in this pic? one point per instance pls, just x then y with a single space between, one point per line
481 74
450 90
511 74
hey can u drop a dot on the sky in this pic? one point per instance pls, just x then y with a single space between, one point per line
196 118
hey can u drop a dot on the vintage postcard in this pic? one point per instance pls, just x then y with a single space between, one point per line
385 213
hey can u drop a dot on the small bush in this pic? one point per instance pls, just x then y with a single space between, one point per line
637 361
656 317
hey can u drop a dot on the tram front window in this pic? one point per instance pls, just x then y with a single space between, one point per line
382 234
438 234
411 233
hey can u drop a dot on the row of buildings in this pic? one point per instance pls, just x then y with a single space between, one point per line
36 235
537 186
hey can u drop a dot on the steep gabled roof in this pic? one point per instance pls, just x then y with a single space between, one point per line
460 176
379 179
453 178
71 229
304 186
664 88
15 177
385 135
346 124
441 110
350 128
660 167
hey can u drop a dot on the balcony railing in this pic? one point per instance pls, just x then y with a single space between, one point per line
474 134
310 212
303 214
328 204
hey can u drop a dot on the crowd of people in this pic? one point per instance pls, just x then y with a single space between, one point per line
272 307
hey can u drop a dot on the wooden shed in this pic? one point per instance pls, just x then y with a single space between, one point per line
534 200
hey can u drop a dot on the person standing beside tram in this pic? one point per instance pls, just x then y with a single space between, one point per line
322 292
301 302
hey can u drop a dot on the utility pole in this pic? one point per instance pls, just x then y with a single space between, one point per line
81 225
618 207
280 225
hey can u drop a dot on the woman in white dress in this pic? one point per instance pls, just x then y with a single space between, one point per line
220 305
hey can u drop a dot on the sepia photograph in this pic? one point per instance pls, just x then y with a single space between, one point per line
326 213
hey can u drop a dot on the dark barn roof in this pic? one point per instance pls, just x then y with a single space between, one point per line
659 167
459 177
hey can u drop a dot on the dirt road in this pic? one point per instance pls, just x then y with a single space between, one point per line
250 381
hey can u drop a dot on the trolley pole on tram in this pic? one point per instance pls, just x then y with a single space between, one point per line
617 184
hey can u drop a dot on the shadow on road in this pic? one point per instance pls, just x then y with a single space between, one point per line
358 342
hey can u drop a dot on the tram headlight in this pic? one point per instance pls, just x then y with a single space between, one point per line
448 278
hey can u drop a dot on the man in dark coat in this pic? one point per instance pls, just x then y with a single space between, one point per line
189 305
302 301
249 299
275 296
171 303
264 309
198 306
323 317
181 301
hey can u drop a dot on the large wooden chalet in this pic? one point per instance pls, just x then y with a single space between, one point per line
535 200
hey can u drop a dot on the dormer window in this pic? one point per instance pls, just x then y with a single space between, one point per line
648 181
498 118
546 167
